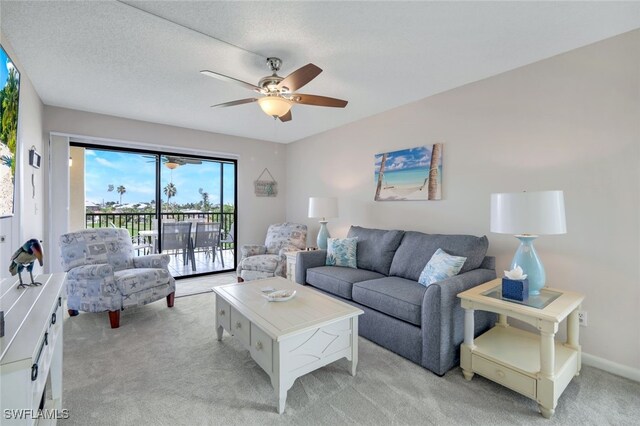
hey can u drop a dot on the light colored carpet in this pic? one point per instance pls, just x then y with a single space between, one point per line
164 367
197 285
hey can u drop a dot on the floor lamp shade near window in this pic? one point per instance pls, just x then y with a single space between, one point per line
322 208
526 215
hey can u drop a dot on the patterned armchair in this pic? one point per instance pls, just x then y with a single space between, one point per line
103 275
268 260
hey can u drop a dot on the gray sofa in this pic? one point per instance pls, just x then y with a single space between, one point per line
422 324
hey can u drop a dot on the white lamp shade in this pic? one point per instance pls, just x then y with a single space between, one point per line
323 207
275 106
533 213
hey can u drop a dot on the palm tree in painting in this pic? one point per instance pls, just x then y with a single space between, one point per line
121 190
380 176
9 113
434 171
170 191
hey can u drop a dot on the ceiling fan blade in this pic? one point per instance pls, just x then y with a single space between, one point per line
286 117
231 80
318 101
300 77
234 103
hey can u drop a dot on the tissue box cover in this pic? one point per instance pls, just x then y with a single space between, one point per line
515 289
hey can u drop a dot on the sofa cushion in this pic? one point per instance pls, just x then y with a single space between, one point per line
417 248
341 252
338 280
440 267
376 247
397 297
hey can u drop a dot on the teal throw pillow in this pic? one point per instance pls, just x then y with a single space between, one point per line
342 252
440 267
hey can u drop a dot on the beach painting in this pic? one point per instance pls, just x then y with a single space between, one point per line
413 174
9 95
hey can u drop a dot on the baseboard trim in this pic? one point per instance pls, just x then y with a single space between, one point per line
611 367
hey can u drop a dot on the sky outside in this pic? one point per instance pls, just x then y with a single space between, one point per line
136 173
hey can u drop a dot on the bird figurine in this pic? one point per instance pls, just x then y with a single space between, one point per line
25 257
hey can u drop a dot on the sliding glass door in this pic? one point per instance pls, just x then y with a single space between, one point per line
181 205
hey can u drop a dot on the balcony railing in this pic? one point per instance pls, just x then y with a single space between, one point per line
136 222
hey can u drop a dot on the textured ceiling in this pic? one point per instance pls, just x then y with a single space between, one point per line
109 57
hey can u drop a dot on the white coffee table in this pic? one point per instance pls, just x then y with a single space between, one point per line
288 339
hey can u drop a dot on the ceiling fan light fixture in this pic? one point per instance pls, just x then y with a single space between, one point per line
171 165
275 106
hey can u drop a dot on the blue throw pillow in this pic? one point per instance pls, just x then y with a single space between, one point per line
440 267
342 252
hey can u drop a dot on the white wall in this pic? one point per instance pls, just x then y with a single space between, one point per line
28 220
254 213
570 122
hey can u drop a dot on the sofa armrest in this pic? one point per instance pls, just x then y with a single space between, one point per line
91 272
159 261
443 319
306 260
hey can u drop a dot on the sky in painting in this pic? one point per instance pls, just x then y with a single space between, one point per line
405 159
4 60
136 172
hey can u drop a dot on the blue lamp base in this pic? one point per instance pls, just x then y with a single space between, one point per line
527 258
323 234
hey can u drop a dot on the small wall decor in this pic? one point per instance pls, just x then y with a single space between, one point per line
34 157
266 188
409 174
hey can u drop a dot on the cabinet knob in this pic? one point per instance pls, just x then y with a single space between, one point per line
53 318
222 312
259 345
238 324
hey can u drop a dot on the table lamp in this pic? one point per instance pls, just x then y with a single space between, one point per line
323 207
527 215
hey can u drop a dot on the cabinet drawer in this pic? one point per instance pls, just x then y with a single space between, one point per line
223 314
261 349
240 327
504 375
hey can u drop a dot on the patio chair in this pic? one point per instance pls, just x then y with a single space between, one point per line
269 260
103 275
230 238
208 237
177 236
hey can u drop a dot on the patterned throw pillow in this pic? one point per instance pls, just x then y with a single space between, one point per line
342 252
440 267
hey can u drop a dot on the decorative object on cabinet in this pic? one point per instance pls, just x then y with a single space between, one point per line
322 208
25 258
527 215
409 174
266 188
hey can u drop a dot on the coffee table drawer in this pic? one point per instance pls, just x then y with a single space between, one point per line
223 314
240 327
505 376
261 348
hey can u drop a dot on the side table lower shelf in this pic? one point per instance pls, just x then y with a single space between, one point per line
510 357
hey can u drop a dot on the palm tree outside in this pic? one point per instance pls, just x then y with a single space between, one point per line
170 191
121 190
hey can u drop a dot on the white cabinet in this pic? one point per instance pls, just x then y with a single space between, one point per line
31 350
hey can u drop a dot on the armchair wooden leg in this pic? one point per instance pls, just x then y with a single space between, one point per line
240 280
114 319
73 312
171 297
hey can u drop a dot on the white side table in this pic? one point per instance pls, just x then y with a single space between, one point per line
534 365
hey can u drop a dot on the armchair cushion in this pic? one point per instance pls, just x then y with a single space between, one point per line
262 262
130 281
152 261
87 272
95 246
290 236
248 250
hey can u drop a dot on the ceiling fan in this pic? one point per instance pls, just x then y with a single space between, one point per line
173 162
279 92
